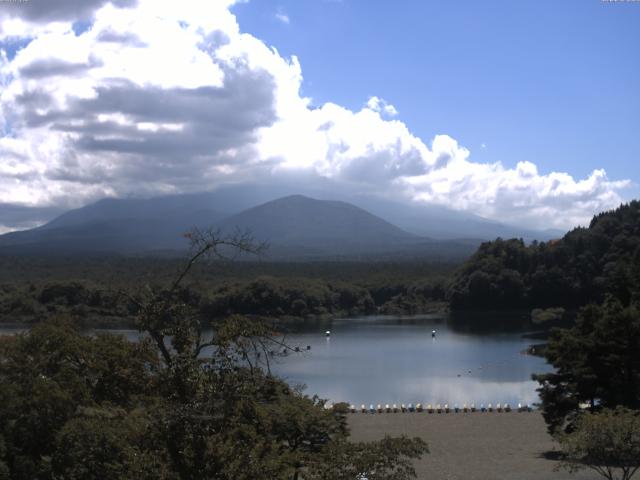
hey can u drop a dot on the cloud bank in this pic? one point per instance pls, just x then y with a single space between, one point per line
154 97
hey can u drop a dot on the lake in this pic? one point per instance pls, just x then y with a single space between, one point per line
396 360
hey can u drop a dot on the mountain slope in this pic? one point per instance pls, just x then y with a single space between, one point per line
433 221
301 228
116 226
442 223
177 208
296 219
295 227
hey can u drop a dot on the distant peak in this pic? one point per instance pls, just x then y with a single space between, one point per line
298 196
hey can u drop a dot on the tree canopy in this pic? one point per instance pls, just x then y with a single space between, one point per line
308 292
583 267
607 442
193 399
596 364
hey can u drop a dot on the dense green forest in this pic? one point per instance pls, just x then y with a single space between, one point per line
83 407
594 274
585 266
596 364
165 413
91 289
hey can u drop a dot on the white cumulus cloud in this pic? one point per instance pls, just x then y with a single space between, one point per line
381 106
283 17
158 96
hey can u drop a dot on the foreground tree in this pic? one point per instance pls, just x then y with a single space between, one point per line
596 365
194 400
388 459
55 381
607 442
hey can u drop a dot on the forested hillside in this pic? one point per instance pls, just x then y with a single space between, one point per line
93 292
585 266
91 407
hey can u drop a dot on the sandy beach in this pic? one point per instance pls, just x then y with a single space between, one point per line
473 446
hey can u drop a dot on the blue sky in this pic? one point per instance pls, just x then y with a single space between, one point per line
553 82
511 110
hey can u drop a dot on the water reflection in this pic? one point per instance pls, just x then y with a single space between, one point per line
396 360
483 322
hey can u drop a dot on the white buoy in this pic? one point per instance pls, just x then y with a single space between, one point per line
433 334
328 333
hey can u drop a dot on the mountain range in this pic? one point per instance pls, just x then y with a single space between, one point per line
296 227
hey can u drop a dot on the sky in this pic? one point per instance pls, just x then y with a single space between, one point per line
525 112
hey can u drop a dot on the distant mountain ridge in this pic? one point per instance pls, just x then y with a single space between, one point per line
442 223
295 226
183 209
297 218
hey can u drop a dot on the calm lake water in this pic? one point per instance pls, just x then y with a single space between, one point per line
396 360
